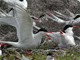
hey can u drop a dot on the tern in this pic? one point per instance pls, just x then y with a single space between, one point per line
78 0
1 47
24 26
50 56
74 19
64 37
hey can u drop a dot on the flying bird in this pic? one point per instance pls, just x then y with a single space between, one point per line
74 19
24 26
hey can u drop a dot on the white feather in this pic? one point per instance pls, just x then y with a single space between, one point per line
77 37
71 14
55 18
24 58
13 3
78 0
61 14
66 40
50 57
0 52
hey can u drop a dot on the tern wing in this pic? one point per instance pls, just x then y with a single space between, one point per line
25 23
34 25
9 21
73 21
77 37
7 18
11 13
57 19
61 14
71 14
2 14
55 36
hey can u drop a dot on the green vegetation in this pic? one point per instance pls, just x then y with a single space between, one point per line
68 55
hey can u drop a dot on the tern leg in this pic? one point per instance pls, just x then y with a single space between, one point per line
26 51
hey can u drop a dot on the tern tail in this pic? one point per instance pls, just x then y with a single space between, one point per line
11 43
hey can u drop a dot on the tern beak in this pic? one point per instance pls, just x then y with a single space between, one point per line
53 56
75 26
36 19
49 15
48 35
3 43
61 32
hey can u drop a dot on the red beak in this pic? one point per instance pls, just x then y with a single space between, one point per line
37 19
61 32
48 35
3 43
53 56
75 27
49 15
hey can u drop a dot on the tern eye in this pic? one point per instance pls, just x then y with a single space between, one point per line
20 0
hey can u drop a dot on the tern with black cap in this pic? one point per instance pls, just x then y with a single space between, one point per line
24 26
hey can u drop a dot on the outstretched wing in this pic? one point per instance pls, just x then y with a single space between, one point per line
55 18
9 21
77 37
8 18
62 15
71 14
25 23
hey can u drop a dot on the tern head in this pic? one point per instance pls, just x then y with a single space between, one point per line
41 16
50 56
69 28
77 16
49 14
42 30
13 3
34 18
